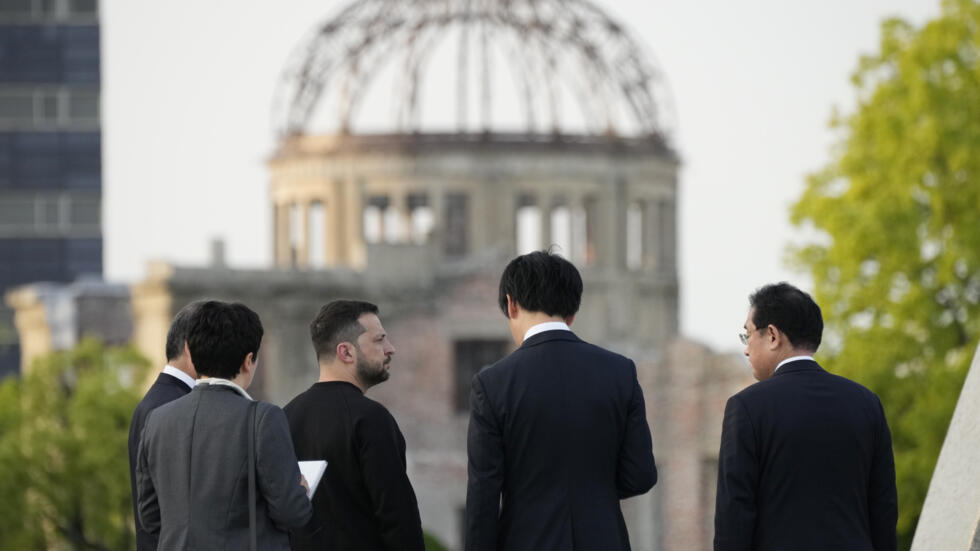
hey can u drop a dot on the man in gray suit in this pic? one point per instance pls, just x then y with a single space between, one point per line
192 462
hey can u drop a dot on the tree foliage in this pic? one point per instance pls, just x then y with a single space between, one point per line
64 473
898 271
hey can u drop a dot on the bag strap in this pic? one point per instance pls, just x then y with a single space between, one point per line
252 536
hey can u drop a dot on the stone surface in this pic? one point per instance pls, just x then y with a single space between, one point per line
950 515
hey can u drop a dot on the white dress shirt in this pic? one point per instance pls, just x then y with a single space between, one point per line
793 359
184 377
546 326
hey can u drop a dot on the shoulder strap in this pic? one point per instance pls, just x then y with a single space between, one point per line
252 537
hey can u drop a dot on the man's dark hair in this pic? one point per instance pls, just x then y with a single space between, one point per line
337 322
791 310
220 335
541 281
177 335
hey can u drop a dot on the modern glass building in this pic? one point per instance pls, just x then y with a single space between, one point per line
50 149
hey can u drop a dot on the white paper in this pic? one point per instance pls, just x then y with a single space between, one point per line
313 471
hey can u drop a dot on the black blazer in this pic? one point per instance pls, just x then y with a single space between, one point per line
557 436
166 388
805 463
365 500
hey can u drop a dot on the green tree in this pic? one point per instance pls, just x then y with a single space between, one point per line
64 473
897 267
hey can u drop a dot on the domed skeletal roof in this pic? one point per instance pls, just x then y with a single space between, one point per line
412 66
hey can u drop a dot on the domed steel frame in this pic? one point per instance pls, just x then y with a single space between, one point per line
554 45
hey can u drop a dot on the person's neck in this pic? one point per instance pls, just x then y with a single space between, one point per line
330 373
792 353
184 365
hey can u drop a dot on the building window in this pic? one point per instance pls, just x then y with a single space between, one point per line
50 214
528 225
393 230
88 7
317 235
579 238
49 107
48 9
561 230
470 357
457 224
17 7
374 219
421 218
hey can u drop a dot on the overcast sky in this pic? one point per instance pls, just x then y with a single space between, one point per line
188 91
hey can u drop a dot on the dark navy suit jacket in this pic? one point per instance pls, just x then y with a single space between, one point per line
166 388
805 463
557 436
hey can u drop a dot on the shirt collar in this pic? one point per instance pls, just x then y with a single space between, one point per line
793 359
546 326
224 382
184 377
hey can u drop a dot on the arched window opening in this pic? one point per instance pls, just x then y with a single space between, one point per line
528 223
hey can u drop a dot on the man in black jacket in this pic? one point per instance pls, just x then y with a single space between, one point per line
176 380
558 432
365 500
806 457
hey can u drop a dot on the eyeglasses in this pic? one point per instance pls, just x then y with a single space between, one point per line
743 335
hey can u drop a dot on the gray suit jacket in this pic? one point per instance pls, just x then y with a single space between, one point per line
192 473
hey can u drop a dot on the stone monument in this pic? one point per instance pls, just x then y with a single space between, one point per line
951 515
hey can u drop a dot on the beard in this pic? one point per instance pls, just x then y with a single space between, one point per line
372 373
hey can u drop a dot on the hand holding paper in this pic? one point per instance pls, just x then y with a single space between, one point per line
313 472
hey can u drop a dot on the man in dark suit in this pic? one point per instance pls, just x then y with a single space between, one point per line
806 456
365 500
176 380
558 432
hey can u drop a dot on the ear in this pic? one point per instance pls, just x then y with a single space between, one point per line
774 337
569 320
248 365
512 308
345 352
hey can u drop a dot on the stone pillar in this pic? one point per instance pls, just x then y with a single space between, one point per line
546 206
303 244
32 325
152 310
352 237
950 514
397 201
281 237
332 225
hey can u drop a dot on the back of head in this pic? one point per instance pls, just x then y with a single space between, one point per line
791 311
221 335
337 322
541 281
177 335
